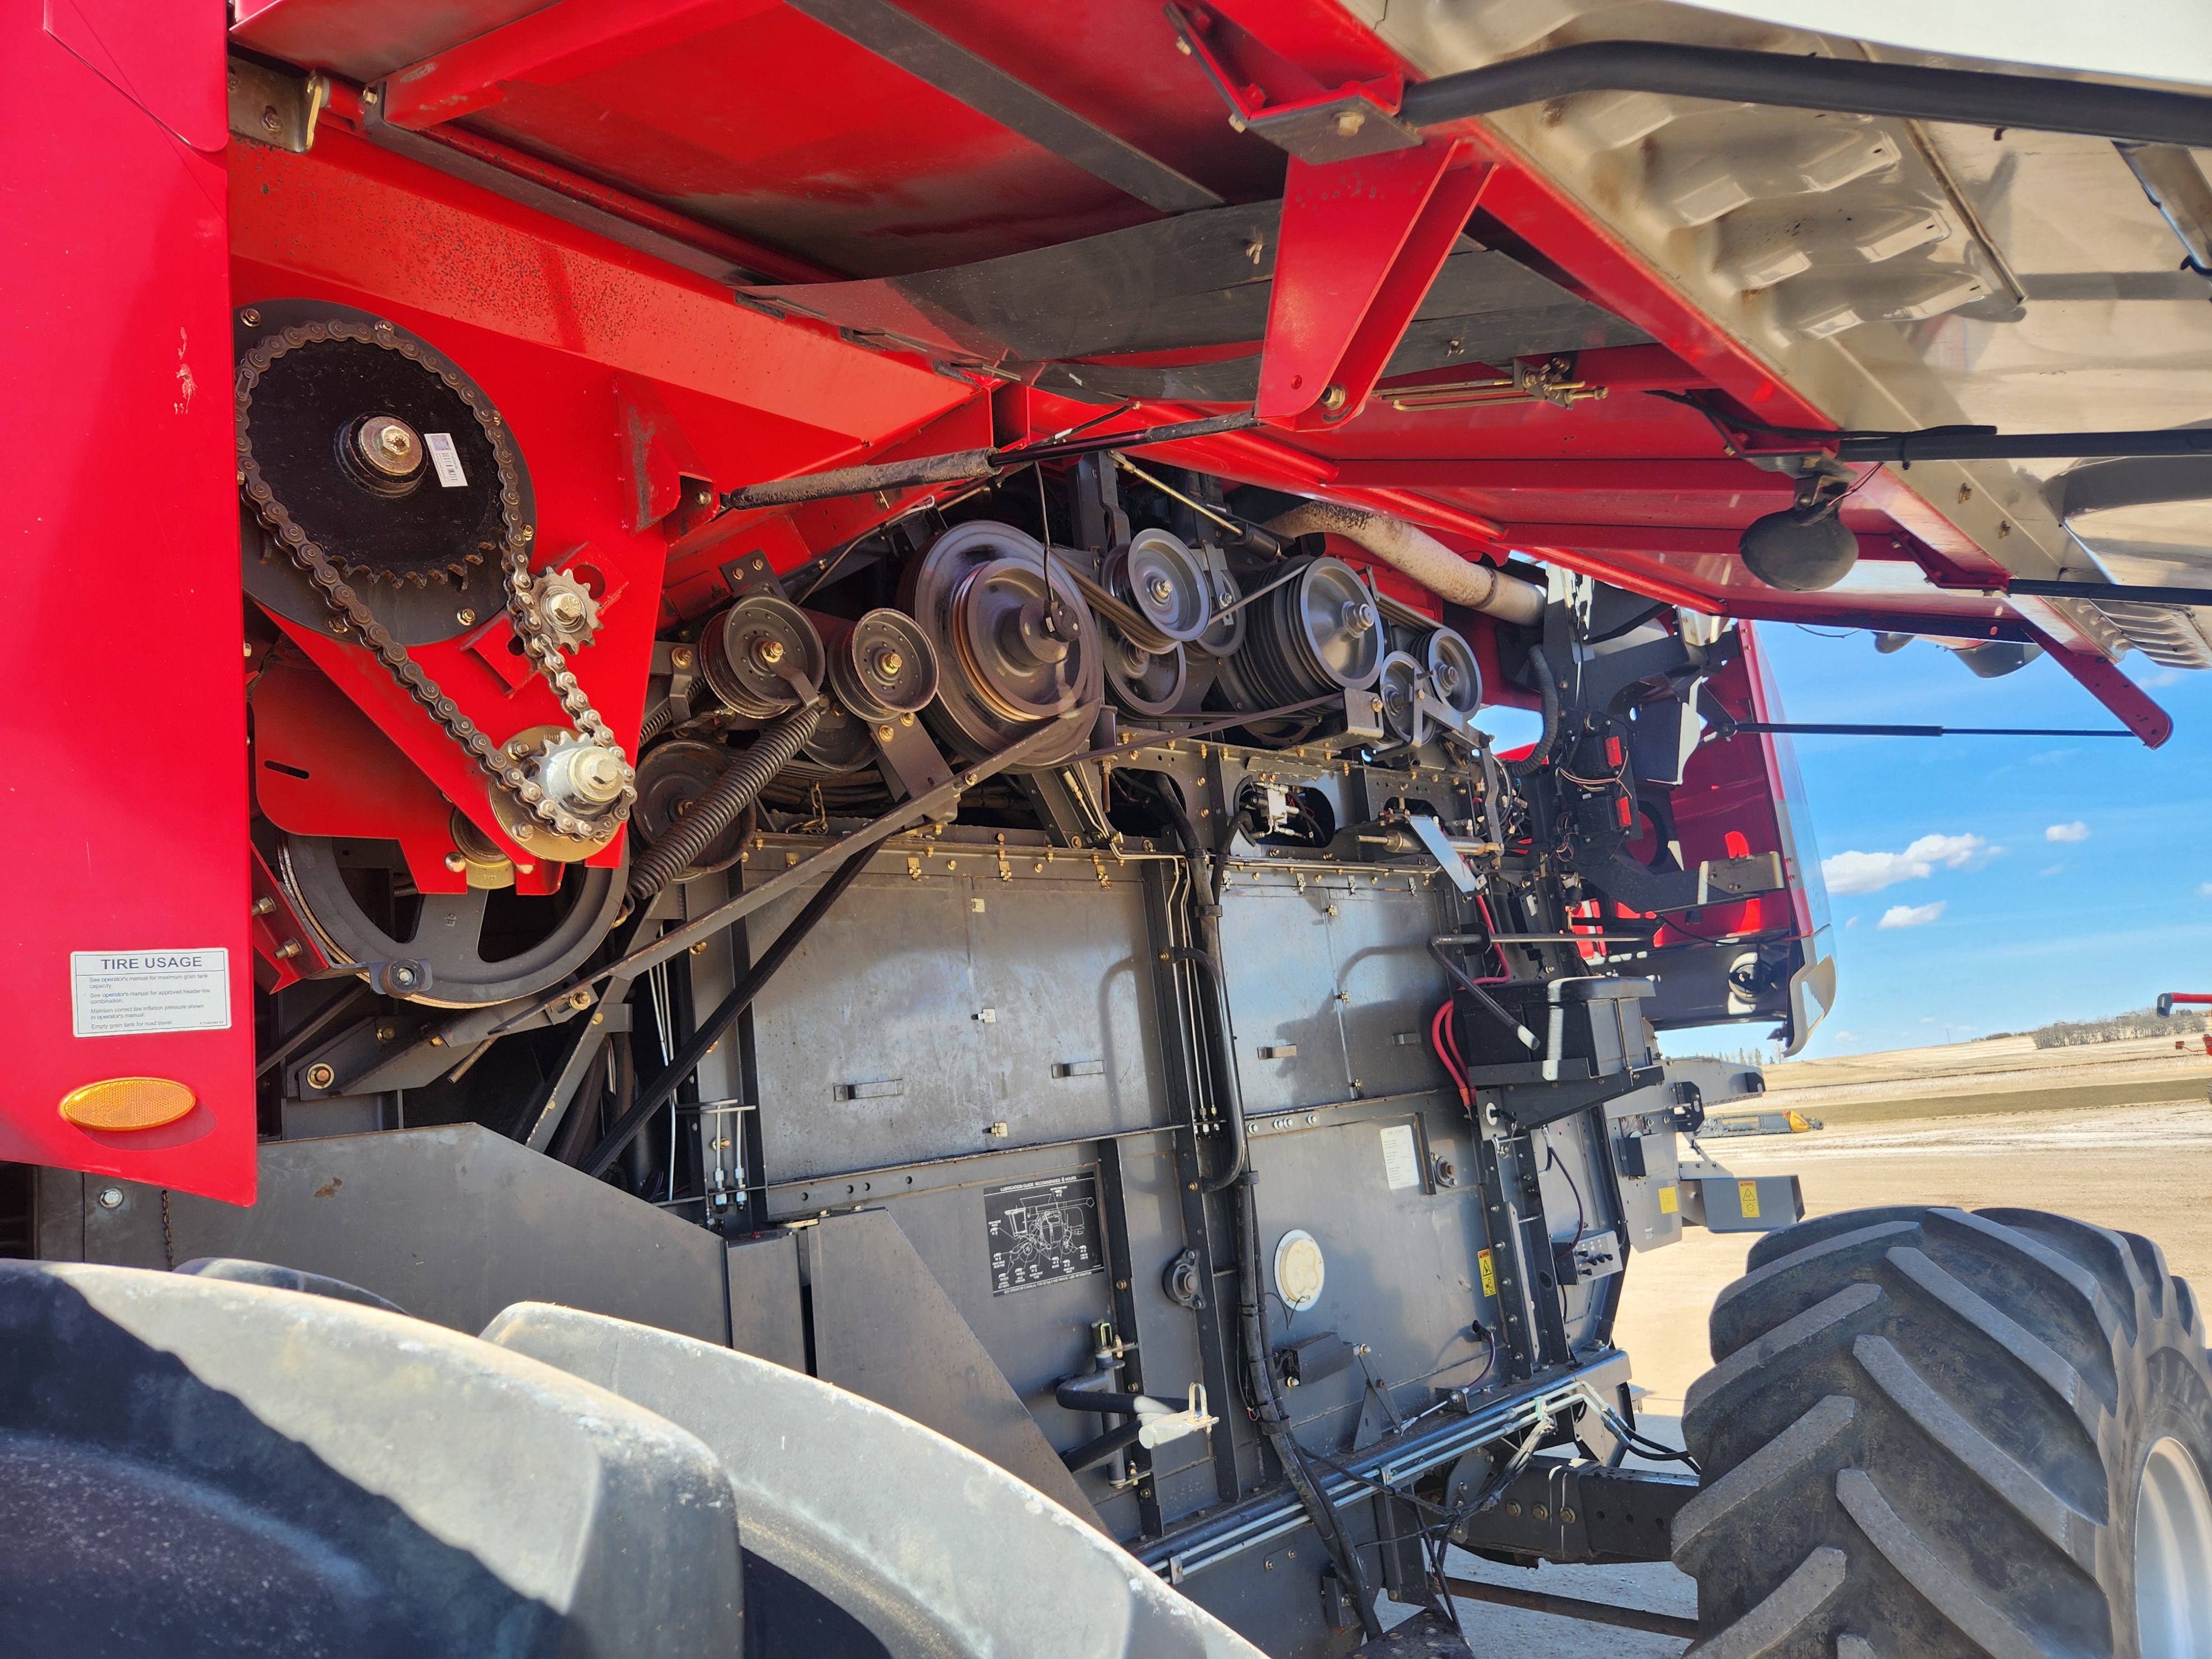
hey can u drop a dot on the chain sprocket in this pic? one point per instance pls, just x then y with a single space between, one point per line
507 771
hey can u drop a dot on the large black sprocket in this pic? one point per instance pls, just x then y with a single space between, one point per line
305 409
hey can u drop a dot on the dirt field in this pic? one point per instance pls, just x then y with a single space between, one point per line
2119 1133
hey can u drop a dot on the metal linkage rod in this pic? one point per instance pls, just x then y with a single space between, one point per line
1571 1606
965 464
1969 444
2108 592
678 940
1910 91
1849 729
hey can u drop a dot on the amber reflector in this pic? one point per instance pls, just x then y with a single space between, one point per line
127 1102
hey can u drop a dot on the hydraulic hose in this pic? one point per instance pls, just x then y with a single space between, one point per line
1491 1005
715 812
717 1025
1275 1419
1413 552
1205 910
1546 689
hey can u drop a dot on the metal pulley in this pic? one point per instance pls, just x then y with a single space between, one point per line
1164 581
670 777
1015 642
1454 677
1145 682
761 659
881 666
1318 632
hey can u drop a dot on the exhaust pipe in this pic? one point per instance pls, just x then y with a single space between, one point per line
1414 552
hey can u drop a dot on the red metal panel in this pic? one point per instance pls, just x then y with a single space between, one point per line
1358 245
128 788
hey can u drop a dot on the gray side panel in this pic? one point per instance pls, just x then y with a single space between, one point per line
912 1020
884 1330
765 1320
451 1223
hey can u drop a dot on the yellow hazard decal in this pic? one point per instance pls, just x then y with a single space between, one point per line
1747 1195
1669 1203
1489 1273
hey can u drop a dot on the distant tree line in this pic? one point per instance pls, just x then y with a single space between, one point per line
2136 1023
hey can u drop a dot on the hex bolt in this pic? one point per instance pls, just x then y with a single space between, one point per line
1335 397
403 978
288 950
263 905
250 317
565 610
109 1198
769 652
466 617
579 999
680 657
320 1075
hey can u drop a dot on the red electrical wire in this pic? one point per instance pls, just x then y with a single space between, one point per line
1447 1051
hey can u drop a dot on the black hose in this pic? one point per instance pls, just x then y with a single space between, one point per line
715 812
1907 91
1205 910
713 1028
1224 1051
583 1117
1274 1418
1549 691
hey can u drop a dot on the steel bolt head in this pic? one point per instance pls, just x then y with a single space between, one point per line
680 657
565 610
888 663
320 1076
1161 589
579 999
769 652
109 1198
250 317
1334 398
466 617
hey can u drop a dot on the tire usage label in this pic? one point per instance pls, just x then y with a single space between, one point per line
139 993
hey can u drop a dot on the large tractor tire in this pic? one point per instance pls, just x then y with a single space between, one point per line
1929 1433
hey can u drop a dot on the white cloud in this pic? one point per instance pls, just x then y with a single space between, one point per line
2053 869
1869 872
2076 830
1854 921
2205 890
1911 915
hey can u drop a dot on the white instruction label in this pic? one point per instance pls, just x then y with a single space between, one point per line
1401 1165
127 993
446 459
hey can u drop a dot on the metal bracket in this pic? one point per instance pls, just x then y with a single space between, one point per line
1360 244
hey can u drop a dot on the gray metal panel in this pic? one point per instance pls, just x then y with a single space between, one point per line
1282 990
966 1011
1063 963
1401 1274
451 1223
885 1329
1380 939
765 1317
880 990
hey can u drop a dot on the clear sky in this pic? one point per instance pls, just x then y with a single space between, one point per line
1983 884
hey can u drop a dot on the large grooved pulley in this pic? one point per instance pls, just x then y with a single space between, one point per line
1013 649
448 934
1164 580
1317 634
1454 674
755 655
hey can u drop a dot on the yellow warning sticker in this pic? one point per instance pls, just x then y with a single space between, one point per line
1747 1194
1669 1201
1489 1273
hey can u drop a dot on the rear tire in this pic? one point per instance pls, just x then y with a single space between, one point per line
1929 1433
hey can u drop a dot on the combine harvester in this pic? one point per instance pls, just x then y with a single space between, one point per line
844 969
